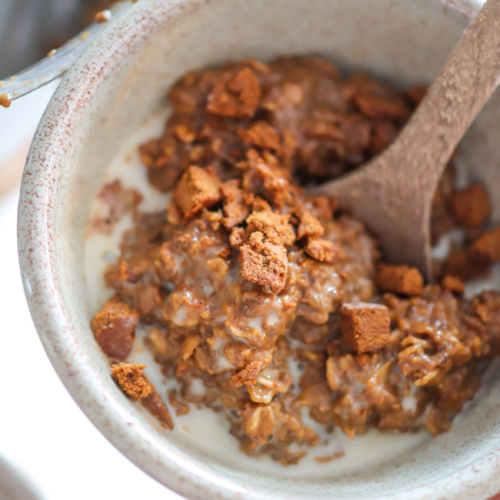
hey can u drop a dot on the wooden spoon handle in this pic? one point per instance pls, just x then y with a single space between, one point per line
466 82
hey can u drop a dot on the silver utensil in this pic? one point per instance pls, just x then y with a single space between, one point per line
57 61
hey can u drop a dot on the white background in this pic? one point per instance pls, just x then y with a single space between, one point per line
42 431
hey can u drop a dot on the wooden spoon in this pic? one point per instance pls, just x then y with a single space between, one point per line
392 194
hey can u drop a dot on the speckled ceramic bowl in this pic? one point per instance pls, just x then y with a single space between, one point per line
118 82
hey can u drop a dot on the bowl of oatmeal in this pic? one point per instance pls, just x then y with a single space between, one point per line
227 331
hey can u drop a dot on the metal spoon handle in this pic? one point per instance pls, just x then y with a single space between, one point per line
55 64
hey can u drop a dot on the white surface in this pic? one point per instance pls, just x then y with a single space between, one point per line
42 431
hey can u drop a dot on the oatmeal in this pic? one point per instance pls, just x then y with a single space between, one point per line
243 275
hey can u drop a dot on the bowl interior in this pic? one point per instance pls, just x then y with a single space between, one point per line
117 85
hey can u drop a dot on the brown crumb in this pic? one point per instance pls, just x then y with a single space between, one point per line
116 202
157 408
383 133
249 373
416 94
150 152
323 207
113 328
180 408
453 283
365 327
437 422
323 250
261 135
400 279
487 248
235 206
328 458
102 16
260 205
198 188
263 262
223 253
237 237
131 379
309 225
5 100
276 185
158 338
331 373
174 215
184 133
181 370
379 107
324 130
258 421
471 206
275 227
362 359
191 342
238 98
460 263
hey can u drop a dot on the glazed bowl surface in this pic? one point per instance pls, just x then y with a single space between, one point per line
110 91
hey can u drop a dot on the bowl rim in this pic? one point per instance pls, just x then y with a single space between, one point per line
60 337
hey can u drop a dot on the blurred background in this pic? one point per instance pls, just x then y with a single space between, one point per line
48 448
31 28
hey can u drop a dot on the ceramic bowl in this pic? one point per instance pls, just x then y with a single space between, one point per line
110 90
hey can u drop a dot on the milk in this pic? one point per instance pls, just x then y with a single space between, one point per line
202 426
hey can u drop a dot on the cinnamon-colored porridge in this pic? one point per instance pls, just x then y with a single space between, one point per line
275 301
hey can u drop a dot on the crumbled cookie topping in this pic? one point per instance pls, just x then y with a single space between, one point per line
244 275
